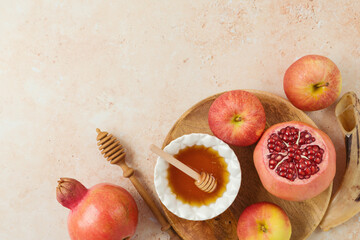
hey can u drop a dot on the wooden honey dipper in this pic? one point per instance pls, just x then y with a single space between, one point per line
111 148
204 181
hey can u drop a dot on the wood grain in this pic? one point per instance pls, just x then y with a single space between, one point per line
304 216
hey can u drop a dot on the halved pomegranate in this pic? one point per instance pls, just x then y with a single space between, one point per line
295 161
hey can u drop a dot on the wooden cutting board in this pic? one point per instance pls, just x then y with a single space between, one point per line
304 216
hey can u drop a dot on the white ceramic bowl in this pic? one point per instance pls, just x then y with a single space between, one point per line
186 211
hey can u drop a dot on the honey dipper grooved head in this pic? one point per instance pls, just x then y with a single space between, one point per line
206 183
110 147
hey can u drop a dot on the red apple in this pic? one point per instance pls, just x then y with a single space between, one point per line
264 220
237 117
312 83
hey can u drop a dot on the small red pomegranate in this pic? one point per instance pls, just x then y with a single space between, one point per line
295 161
103 212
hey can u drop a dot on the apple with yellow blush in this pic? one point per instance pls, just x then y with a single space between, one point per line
264 221
237 117
313 82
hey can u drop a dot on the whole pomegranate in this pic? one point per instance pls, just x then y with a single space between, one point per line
295 161
103 212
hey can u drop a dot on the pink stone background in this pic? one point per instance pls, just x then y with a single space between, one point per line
132 68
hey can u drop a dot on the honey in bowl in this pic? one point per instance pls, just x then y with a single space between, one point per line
201 159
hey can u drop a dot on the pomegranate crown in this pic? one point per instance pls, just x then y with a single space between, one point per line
69 192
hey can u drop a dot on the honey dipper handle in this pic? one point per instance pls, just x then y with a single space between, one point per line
173 161
165 226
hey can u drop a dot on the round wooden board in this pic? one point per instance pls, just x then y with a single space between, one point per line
304 216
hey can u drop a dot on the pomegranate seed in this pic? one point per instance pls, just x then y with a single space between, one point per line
283 174
285 138
302 166
308 171
291 155
311 157
297 157
317 160
301 177
308 163
307 176
277 148
313 169
278 158
321 151
290 171
291 165
271 166
315 148
272 162
318 155
289 176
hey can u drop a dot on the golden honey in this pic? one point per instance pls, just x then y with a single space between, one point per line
201 159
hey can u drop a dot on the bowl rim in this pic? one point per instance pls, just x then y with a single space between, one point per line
186 211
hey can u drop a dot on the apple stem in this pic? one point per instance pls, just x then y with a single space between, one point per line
263 228
319 85
238 119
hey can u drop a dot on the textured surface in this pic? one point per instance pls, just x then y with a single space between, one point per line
132 68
